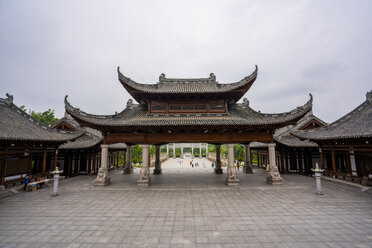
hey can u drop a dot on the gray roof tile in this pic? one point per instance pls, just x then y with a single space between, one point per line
17 125
354 125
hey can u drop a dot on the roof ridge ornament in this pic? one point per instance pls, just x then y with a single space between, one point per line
212 76
9 99
246 102
161 77
369 96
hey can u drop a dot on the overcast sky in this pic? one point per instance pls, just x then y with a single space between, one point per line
49 49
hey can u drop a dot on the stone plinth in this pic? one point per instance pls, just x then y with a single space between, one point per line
273 175
103 177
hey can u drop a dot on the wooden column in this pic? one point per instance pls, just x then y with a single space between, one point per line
89 162
282 169
94 163
300 165
55 160
321 158
3 167
286 161
69 165
333 161
44 161
117 160
29 165
349 171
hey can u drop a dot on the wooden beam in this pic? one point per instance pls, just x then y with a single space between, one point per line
155 138
44 161
29 170
55 159
3 169
333 160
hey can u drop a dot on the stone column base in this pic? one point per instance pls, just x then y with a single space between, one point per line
144 182
274 178
247 169
218 170
103 177
232 182
128 171
366 181
157 171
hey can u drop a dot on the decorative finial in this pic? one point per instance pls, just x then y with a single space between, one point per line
369 96
129 103
161 77
246 102
9 98
212 76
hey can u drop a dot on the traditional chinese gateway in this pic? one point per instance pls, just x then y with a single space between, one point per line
188 110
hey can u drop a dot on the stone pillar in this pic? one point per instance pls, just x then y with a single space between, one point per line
145 178
181 150
167 150
218 169
103 176
128 163
273 175
200 150
174 150
157 169
192 150
231 177
247 165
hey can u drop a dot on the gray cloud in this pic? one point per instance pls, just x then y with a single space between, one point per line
50 49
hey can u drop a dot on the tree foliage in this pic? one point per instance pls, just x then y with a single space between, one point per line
46 117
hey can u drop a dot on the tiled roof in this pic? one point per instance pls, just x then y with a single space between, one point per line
134 115
90 139
187 85
356 124
17 125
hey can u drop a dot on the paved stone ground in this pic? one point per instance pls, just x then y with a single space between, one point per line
188 207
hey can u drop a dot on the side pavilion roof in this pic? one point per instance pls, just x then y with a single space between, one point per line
195 86
354 125
134 115
17 125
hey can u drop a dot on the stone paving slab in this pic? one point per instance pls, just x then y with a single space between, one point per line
188 207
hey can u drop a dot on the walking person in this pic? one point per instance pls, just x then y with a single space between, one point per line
25 181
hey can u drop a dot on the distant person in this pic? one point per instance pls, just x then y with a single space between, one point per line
212 165
25 181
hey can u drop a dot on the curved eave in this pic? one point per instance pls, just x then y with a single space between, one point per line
235 90
81 116
290 117
136 117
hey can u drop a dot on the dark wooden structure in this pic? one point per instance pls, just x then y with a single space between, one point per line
26 145
187 110
346 144
293 155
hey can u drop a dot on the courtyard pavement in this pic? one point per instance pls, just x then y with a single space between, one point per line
188 207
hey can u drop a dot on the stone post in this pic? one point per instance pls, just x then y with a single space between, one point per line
167 150
200 150
103 176
157 169
128 163
218 169
247 165
231 177
318 174
174 150
55 174
145 178
273 176
181 150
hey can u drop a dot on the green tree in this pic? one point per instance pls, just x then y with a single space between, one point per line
46 117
